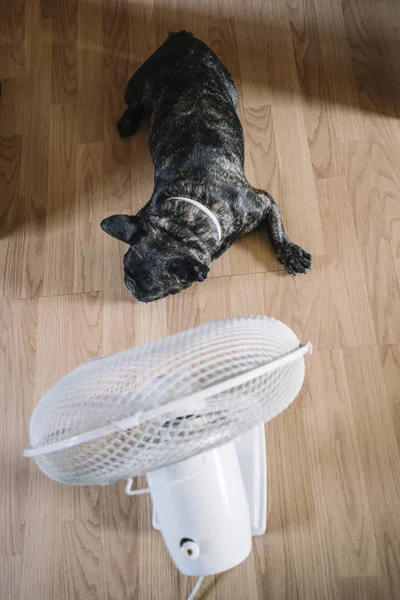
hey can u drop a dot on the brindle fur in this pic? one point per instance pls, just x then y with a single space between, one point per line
197 147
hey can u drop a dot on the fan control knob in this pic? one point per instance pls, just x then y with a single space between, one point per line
190 548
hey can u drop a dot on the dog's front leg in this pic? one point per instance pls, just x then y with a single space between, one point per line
294 259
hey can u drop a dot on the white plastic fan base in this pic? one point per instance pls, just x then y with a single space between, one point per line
252 455
208 507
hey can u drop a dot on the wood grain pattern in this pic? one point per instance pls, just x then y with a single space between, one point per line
349 513
373 412
12 104
24 276
344 289
18 325
320 106
117 152
390 360
64 75
12 37
10 576
323 60
360 587
37 101
10 162
364 184
90 72
60 222
88 249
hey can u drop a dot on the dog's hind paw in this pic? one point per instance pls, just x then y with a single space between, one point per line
294 259
129 122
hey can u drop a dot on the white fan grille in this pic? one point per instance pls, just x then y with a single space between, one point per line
116 387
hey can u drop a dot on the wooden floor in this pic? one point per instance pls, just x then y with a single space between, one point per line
319 85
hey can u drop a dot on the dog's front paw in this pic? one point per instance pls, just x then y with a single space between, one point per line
294 259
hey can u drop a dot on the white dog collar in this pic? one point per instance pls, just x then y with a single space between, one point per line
205 210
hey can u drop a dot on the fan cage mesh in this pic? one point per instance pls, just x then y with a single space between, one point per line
116 387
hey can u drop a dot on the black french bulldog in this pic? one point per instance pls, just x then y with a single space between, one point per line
197 147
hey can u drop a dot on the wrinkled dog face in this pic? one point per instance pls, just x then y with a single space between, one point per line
155 264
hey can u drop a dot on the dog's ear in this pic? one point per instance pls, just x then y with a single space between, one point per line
192 269
125 228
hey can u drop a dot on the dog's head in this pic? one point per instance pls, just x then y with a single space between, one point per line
156 264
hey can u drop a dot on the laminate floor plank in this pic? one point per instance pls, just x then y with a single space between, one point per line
319 101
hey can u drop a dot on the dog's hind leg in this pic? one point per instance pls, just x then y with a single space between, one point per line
145 86
129 123
139 96
294 259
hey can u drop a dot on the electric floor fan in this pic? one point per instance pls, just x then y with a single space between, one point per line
189 412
